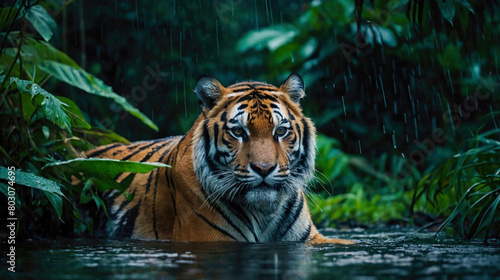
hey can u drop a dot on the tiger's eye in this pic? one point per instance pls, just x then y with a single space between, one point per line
281 131
237 131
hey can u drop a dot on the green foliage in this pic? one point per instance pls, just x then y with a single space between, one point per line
466 188
40 129
52 107
353 189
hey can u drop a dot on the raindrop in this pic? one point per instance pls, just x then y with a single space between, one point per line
383 92
171 44
217 36
451 119
383 128
185 101
451 83
343 104
394 82
359 145
394 138
256 16
136 14
416 128
493 117
409 93
180 48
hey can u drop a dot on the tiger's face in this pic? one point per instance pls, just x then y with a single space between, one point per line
254 147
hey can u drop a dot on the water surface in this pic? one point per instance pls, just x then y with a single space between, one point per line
384 255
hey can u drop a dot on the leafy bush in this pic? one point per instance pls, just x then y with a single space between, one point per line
466 189
351 189
40 130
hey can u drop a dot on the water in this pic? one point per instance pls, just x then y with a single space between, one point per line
393 255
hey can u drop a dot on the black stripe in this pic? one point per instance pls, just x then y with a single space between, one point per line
223 117
256 220
228 220
292 117
242 106
185 150
241 89
173 203
133 146
267 97
154 200
265 88
127 223
306 233
148 155
141 149
292 219
213 225
238 211
158 173
285 215
306 144
207 140
222 214
96 153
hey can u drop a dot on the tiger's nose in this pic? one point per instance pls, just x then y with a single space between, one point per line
263 169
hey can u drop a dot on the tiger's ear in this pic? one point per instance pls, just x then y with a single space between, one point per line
208 90
294 86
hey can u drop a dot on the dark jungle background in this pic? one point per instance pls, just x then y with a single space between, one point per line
404 94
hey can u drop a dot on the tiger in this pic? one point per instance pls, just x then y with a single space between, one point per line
239 174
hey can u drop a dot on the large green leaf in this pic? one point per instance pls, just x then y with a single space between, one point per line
56 201
103 171
44 59
89 83
31 180
58 64
272 38
41 21
108 167
77 118
52 107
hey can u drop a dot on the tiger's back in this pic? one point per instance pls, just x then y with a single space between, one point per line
139 218
239 174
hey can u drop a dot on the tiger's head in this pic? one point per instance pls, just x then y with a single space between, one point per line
253 147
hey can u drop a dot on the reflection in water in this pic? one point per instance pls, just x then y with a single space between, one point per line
381 254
